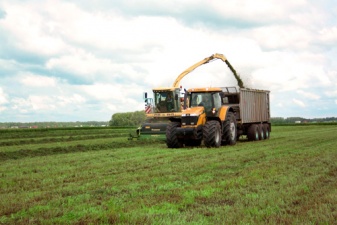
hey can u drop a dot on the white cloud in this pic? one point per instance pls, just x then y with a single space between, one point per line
3 96
51 103
41 102
104 92
64 101
283 36
332 93
116 97
20 105
257 10
121 49
3 100
32 80
280 105
109 30
112 107
80 63
31 31
299 103
329 35
89 67
33 103
309 95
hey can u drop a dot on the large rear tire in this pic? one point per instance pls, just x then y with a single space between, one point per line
230 130
172 140
212 134
253 132
261 132
266 131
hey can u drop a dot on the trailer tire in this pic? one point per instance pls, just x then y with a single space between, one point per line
261 132
253 132
172 140
212 134
230 130
266 131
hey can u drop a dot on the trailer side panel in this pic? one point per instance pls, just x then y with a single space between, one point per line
254 106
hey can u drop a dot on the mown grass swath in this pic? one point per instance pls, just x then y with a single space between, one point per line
60 176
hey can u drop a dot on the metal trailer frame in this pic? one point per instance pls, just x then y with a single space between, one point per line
254 106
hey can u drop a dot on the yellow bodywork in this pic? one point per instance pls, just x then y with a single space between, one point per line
196 111
155 115
223 113
164 89
205 89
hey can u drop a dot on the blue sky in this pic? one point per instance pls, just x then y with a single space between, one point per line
86 60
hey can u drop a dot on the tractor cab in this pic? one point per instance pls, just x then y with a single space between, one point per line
167 100
209 98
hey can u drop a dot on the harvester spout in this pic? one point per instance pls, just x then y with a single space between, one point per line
237 77
207 60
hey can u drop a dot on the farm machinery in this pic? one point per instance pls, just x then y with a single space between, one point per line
219 116
168 102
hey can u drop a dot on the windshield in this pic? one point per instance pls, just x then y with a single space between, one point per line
199 99
208 100
165 102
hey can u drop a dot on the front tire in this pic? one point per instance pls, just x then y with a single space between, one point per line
212 134
230 130
172 140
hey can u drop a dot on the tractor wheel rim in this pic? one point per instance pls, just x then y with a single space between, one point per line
217 136
232 130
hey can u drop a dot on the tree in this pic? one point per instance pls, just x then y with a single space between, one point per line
127 118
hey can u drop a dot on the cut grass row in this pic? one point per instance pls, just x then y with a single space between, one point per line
63 138
289 179
45 149
12 134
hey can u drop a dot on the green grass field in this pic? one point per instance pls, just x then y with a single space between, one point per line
97 176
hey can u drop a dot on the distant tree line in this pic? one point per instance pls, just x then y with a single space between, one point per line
288 120
138 117
53 124
128 118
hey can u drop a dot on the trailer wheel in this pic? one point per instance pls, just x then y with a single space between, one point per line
266 131
261 132
230 130
212 134
172 140
253 132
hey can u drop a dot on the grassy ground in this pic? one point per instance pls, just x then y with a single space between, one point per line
96 176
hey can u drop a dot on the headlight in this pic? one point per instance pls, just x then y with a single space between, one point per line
214 110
